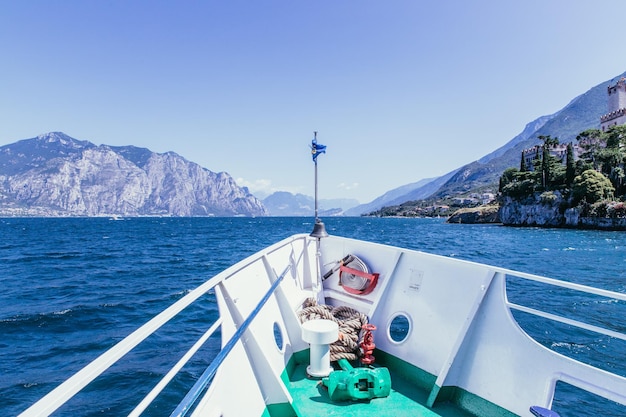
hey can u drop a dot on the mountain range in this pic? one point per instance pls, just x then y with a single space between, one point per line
581 113
283 203
56 175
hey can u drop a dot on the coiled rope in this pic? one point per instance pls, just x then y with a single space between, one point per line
349 320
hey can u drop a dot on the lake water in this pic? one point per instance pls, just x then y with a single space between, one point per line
73 287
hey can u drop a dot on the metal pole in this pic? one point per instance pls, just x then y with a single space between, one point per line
315 161
319 230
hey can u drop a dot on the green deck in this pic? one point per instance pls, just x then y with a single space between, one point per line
408 396
310 398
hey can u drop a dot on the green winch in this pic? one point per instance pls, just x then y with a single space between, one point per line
357 383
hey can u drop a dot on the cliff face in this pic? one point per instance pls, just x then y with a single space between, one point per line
476 215
545 210
533 211
55 174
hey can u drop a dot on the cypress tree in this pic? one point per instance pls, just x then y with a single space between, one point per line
547 160
570 165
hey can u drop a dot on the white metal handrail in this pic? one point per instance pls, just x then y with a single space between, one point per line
52 401
205 379
565 284
141 407
613 295
571 322
64 392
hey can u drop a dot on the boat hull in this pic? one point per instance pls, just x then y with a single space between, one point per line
461 342
444 330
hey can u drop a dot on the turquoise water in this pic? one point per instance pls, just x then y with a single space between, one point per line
73 287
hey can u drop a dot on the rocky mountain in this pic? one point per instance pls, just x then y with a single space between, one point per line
56 175
414 191
582 113
283 203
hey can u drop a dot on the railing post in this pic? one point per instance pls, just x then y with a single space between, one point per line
203 382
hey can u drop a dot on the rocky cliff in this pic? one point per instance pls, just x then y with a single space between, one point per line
476 215
580 114
536 210
548 210
56 175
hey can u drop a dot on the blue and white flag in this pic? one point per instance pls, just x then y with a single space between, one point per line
317 149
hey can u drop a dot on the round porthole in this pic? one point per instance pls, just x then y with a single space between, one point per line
278 337
399 328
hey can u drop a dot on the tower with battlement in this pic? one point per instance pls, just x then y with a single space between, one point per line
617 105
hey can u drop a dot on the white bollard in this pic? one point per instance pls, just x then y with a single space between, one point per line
320 334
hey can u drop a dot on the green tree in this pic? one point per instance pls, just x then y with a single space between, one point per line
591 141
570 165
522 164
617 179
549 163
592 186
609 159
516 184
613 156
615 136
610 155
508 176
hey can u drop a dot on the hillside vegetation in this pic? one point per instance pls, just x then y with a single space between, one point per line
595 183
582 113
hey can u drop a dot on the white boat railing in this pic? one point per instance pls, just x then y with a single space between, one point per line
609 392
56 398
72 386
68 389
564 320
160 386
206 377
571 286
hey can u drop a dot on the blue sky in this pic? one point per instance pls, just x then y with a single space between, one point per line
398 90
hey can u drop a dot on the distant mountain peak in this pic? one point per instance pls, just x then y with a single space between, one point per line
55 137
284 203
581 113
54 174
63 139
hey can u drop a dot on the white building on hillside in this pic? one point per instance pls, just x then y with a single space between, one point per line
616 116
559 151
617 106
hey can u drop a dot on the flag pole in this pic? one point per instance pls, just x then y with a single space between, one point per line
319 229
315 161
